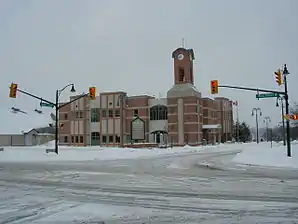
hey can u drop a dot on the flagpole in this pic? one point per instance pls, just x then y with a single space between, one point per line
235 103
238 124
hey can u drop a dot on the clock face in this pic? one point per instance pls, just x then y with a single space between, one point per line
180 56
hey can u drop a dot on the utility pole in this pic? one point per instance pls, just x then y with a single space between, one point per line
43 102
255 113
267 120
285 73
281 99
273 93
57 107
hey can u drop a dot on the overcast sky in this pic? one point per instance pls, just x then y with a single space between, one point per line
127 45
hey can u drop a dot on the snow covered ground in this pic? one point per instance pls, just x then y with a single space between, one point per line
135 186
251 154
263 155
38 153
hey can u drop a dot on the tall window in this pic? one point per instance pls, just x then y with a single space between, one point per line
111 114
104 113
181 75
159 112
117 113
95 114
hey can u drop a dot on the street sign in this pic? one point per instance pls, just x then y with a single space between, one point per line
267 95
42 104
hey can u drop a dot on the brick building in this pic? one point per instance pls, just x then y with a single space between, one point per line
183 117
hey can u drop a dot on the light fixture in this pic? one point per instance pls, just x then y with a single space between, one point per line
285 71
72 88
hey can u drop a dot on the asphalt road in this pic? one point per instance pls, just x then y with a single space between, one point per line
201 187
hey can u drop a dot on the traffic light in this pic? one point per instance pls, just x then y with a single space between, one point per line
214 86
92 93
295 117
13 90
278 77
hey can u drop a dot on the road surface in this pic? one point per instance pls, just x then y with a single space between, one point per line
201 187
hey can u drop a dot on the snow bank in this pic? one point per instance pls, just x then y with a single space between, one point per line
264 155
66 153
38 154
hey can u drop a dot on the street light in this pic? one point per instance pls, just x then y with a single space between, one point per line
281 99
255 112
267 120
285 74
58 93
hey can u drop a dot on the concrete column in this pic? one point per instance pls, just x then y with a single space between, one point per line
180 114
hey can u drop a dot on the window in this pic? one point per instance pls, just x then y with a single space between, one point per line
81 139
117 113
117 139
95 112
191 75
104 113
72 139
181 75
111 139
104 139
77 139
95 135
65 139
79 114
135 112
65 116
111 114
118 101
159 112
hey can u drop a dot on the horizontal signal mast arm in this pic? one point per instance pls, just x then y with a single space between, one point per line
73 100
36 97
252 89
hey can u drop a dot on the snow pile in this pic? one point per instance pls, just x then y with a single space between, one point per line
38 154
67 153
264 155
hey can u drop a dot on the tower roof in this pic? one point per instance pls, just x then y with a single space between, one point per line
188 51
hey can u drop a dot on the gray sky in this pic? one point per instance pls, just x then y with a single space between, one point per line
127 45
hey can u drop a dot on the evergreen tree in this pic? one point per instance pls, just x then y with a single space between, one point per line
244 132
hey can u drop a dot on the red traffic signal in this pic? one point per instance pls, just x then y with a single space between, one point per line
214 86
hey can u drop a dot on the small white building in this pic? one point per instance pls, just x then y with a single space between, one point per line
34 137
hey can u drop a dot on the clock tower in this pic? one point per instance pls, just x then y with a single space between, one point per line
183 66
183 101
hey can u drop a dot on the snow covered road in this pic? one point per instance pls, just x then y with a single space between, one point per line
193 187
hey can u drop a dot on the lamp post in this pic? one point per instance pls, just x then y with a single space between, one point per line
267 120
281 99
254 112
58 93
285 74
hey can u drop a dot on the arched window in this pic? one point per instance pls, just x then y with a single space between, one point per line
159 112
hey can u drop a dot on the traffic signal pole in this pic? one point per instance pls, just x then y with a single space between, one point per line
56 121
57 108
287 121
285 94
